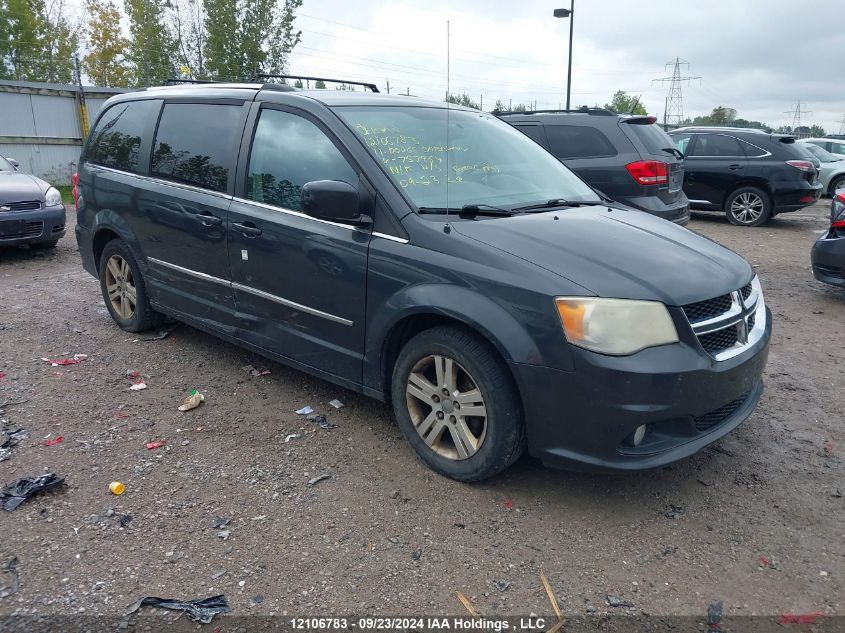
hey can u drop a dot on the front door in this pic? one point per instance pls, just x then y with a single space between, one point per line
185 206
299 282
715 164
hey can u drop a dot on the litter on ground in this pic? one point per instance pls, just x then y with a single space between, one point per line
306 410
15 494
201 611
192 401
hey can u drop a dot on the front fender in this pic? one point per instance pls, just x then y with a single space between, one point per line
509 334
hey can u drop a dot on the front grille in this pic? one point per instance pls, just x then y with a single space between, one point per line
751 321
745 291
707 309
28 205
719 341
709 420
31 229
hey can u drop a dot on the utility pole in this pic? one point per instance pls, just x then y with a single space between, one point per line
481 104
83 108
674 112
796 113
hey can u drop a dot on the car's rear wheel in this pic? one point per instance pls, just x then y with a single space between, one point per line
748 206
123 289
457 404
836 183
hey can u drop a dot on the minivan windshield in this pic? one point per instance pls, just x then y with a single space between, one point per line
6 165
479 160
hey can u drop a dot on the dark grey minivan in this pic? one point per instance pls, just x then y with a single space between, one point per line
425 255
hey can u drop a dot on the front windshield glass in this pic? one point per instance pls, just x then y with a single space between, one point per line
5 165
822 154
484 162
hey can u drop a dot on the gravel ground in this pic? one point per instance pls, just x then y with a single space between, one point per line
762 528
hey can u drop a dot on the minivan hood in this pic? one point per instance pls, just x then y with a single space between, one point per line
617 253
18 187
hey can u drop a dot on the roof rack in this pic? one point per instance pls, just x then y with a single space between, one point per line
262 76
177 82
581 110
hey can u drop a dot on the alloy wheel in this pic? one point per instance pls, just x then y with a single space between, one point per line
446 407
120 285
747 207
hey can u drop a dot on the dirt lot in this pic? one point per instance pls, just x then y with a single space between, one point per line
384 535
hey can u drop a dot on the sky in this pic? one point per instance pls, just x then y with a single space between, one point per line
759 57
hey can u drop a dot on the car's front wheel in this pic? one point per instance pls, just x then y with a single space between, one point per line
457 404
748 206
123 289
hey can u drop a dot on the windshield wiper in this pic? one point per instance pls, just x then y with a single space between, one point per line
557 202
468 209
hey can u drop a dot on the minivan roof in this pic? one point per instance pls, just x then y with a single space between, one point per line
720 128
327 97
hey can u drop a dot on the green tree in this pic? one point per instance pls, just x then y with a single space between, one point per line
463 100
105 64
817 130
23 31
187 20
298 84
61 41
722 115
320 84
153 49
247 37
625 104
499 107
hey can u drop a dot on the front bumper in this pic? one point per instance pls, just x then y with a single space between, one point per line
582 418
31 227
828 259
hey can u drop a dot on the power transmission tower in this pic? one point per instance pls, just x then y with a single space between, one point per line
673 114
796 113
842 126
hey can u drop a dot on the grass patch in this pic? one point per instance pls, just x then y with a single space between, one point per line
66 191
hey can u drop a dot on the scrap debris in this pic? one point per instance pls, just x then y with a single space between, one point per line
315 480
117 488
306 410
138 386
252 371
337 404
800 618
201 611
54 441
23 489
192 401
714 616
675 512
77 358
321 421
12 439
162 334
616 601
11 567
156 444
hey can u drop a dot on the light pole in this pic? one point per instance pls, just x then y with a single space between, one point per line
568 13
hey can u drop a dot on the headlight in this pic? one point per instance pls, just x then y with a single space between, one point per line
615 326
52 197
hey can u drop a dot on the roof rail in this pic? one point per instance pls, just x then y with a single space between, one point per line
176 82
263 76
581 110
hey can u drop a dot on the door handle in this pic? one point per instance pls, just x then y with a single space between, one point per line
735 166
247 229
206 219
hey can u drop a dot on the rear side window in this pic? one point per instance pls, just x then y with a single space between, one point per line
716 145
836 148
534 132
651 136
576 141
752 150
194 143
116 141
288 151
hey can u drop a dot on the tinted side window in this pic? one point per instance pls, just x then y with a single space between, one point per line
752 150
651 136
534 132
716 145
193 143
576 141
116 140
287 152
836 148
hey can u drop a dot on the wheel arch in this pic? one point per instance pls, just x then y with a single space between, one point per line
108 226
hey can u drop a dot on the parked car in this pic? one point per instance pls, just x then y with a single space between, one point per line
828 255
31 211
475 282
832 167
626 157
750 175
835 144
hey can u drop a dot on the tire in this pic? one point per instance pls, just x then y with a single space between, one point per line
120 273
40 246
497 438
748 206
836 183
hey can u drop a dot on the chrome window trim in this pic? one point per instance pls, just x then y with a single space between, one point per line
162 181
254 291
291 304
392 238
297 214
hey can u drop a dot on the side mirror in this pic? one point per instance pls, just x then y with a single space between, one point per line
14 162
333 200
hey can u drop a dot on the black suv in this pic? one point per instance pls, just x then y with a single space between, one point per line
625 157
426 255
750 175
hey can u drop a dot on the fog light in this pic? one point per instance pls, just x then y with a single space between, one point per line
639 434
